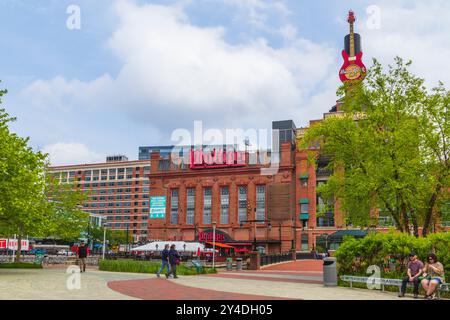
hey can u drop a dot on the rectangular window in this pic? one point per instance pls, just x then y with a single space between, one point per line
242 203
305 242
325 212
190 209
174 207
207 201
304 208
261 202
224 205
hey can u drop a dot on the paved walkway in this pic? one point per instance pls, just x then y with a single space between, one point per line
292 282
287 288
51 284
175 289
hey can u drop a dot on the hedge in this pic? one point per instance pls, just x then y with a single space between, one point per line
355 255
20 265
146 267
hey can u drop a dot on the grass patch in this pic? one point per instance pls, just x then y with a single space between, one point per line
147 267
20 265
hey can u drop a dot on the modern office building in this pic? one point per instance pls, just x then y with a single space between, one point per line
118 190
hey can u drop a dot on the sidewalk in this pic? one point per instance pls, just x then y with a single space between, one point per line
282 289
51 284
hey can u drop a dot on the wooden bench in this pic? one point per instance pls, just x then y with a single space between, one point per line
388 282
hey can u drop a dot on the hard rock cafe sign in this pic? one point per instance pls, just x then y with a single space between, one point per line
208 236
353 68
217 158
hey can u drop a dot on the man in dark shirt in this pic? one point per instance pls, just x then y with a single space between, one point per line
415 267
164 260
174 260
82 254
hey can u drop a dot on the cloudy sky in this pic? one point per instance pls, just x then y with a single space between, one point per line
137 70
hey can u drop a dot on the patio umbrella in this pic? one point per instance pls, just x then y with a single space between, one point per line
198 252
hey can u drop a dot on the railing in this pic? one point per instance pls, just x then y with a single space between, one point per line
306 255
275 258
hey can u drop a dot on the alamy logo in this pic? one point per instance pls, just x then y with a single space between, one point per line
373 281
74 280
74 20
374 18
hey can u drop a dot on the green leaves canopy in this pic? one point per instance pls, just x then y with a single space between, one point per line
389 149
31 204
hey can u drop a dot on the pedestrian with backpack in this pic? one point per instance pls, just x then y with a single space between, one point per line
174 260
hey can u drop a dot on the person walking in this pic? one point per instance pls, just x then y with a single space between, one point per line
415 267
82 254
174 260
164 260
433 276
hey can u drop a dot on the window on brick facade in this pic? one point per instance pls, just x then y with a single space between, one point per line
242 203
174 206
261 202
207 201
190 208
224 205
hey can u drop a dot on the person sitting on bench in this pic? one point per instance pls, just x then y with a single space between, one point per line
415 267
433 276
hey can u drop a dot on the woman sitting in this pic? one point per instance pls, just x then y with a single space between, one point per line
433 276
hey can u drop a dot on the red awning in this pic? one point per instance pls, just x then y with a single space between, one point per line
222 245
241 244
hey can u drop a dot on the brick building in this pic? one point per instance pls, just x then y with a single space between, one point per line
190 198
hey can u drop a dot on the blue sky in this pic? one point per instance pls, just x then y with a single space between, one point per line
137 70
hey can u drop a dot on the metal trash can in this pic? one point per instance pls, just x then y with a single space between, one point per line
229 264
329 272
238 264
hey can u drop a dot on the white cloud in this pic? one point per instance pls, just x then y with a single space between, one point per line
71 153
175 72
416 30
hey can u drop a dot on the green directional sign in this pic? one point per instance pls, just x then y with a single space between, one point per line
158 207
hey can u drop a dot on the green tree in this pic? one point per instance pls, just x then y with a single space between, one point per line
389 149
30 203
23 205
114 237
67 220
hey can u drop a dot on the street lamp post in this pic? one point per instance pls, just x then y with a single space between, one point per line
279 231
126 250
214 244
104 224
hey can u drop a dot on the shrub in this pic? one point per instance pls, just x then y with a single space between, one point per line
355 255
147 267
20 265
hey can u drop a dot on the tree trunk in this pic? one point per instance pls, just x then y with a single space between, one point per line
19 248
429 212
416 226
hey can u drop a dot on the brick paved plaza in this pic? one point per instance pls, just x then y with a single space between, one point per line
293 280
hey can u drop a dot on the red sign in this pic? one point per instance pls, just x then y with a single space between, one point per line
12 244
218 158
208 237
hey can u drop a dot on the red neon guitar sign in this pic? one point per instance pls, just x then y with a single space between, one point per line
353 67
